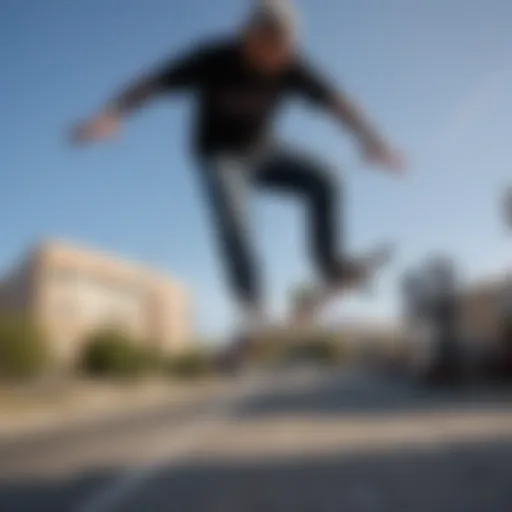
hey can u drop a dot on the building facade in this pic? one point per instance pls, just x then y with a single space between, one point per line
481 314
70 292
486 310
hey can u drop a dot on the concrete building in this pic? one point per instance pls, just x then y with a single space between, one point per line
70 292
482 314
485 309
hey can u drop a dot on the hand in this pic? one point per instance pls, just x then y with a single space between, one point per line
379 153
101 127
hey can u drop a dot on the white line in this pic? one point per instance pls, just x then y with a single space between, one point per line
130 482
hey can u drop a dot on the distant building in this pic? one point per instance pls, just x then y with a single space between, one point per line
71 292
485 308
482 313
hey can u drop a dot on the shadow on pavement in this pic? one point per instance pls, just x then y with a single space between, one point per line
448 478
343 395
27 494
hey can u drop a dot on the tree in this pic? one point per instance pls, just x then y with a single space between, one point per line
24 353
111 353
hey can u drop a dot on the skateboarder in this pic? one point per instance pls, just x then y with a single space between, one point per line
238 83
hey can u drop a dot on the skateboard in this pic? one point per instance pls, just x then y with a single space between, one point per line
369 266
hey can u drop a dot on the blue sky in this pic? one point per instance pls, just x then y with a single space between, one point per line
435 75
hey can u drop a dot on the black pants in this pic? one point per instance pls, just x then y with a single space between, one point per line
228 181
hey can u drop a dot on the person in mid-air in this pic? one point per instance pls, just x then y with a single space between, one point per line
238 83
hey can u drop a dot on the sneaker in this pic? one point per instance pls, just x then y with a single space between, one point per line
356 273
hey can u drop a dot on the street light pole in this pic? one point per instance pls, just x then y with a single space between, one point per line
507 208
445 298
506 297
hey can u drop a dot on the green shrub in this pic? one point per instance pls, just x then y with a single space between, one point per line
318 348
263 351
151 358
24 353
192 364
114 354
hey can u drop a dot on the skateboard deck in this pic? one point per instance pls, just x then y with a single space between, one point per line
372 261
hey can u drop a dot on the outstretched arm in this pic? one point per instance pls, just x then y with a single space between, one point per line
106 123
373 144
183 73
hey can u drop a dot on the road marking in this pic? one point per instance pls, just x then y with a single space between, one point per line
130 482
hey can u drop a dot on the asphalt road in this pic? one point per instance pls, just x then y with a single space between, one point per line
300 440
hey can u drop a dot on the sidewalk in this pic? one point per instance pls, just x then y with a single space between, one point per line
77 403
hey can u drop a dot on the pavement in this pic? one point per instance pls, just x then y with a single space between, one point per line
65 403
304 440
